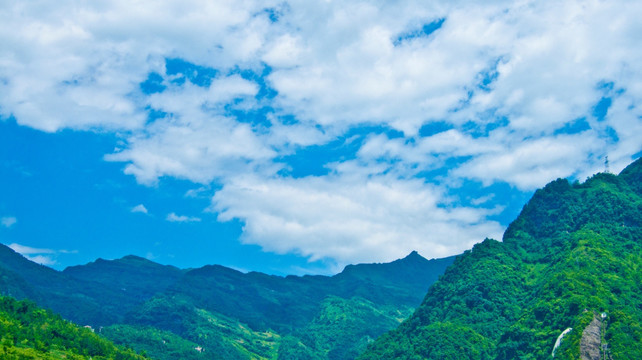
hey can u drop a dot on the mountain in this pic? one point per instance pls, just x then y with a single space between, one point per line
82 302
138 278
283 303
405 276
30 332
214 311
568 272
290 317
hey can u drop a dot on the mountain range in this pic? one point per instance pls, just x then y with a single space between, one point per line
169 312
565 282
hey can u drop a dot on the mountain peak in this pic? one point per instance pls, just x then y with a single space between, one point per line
133 257
414 255
573 252
136 260
632 175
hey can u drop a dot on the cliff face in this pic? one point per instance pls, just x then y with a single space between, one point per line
591 340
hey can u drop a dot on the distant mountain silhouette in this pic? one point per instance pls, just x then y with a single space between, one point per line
141 303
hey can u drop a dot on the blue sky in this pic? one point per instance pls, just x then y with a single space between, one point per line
296 137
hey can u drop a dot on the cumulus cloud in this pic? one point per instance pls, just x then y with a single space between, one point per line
521 100
351 218
80 66
531 163
140 208
8 221
172 217
195 142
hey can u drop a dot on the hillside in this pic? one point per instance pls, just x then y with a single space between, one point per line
282 303
84 302
170 313
135 277
287 317
571 260
29 332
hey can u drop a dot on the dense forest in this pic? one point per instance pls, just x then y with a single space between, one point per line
30 332
215 312
570 263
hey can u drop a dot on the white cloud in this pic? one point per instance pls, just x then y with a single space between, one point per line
140 208
172 217
195 142
532 163
8 221
27 250
199 149
334 65
351 218
41 259
283 52
504 81
38 255
79 66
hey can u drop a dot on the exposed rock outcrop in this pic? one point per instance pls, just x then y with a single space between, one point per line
591 340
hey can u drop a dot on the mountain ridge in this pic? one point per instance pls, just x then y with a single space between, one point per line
143 304
574 251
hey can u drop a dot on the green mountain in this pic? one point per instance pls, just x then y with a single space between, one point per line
255 315
285 303
568 271
136 278
216 312
30 332
80 301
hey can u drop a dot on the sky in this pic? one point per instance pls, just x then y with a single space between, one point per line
295 137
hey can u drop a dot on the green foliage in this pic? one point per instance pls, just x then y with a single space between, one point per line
29 332
574 251
158 344
134 278
344 327
439 340
216 334
261 316
84 302
168 312
285 304
292 348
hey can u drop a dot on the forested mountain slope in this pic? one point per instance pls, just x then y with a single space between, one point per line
289 317
136 278
29 332
572 258
84 302
216 312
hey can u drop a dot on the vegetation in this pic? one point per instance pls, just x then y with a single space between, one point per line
574 252
29 332
217 336
344 327
216 312
136 278
157 344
